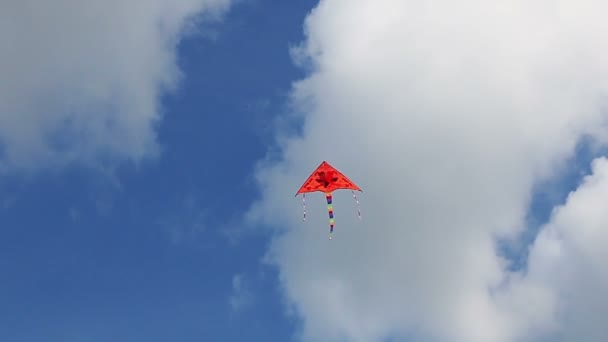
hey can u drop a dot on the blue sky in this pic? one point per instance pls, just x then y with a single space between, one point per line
149 252
149 153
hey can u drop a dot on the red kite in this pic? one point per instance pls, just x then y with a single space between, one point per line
326 179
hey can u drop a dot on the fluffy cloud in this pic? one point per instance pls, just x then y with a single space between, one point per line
81 79
568 260
447 114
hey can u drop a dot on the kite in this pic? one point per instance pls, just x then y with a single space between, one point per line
326 179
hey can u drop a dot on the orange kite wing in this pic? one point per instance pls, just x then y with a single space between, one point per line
326 179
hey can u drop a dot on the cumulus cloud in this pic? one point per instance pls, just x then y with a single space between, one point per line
568 260
447 114
81 79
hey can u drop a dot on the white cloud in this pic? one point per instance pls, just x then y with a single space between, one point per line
446 114
568 259
81 79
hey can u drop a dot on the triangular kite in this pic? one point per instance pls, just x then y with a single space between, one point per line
326 179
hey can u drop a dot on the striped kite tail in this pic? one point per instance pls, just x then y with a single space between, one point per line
330 211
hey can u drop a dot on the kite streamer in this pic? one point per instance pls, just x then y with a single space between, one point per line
330 211
358 207
304 206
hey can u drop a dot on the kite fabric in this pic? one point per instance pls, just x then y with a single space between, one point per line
326 179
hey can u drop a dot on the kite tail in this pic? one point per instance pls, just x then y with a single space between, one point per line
358 207
330 211
304 206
